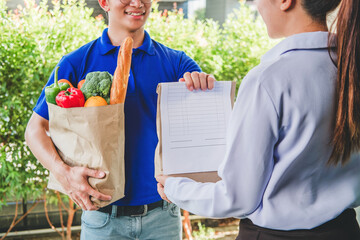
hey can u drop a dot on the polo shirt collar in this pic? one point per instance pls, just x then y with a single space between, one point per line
302 41
147 46
106 45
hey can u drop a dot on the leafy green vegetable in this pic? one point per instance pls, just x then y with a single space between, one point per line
97 84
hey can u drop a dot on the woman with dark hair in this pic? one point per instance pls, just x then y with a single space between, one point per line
292 167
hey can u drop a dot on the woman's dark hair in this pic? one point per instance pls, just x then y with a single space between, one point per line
346 133
318 9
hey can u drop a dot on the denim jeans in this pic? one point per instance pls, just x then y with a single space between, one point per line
162 223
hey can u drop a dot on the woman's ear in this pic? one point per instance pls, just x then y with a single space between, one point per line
104 5
285 4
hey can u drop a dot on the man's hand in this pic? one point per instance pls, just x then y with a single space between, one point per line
75 183
160 187
196 80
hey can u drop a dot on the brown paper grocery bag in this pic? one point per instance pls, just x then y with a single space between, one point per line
92 137
199 177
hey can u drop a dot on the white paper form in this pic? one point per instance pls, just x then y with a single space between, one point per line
193 126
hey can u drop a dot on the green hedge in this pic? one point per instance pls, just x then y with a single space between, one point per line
34 38
228 52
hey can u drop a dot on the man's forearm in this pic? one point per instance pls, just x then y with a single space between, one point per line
42 146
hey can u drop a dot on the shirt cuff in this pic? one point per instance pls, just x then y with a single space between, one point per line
171 186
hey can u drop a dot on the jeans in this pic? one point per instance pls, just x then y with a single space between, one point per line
162 223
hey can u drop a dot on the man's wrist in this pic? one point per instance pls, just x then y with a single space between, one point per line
60 168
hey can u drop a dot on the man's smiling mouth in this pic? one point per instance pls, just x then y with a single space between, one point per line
135 13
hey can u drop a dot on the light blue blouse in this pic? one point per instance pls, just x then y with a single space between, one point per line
274 171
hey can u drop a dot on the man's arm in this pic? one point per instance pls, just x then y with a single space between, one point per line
74 180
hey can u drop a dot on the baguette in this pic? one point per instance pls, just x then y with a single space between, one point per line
122 71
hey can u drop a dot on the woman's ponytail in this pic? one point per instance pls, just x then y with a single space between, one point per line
346 135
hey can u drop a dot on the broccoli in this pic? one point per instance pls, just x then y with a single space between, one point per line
97 84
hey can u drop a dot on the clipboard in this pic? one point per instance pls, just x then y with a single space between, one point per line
199 176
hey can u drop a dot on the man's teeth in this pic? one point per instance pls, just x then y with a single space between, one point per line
135 14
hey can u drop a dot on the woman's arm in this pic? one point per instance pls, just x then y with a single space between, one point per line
247 165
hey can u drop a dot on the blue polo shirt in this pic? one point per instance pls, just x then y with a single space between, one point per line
152 63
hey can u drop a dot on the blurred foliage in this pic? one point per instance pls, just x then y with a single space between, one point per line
203 233
228 51
34 38
198 39
200 14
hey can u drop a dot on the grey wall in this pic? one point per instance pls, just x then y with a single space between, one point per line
12 4
219 9
215 9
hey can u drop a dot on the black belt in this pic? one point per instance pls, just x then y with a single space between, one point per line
131 210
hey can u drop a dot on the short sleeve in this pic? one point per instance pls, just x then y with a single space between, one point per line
186 64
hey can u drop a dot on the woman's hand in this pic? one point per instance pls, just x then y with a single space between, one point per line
160 186
196 80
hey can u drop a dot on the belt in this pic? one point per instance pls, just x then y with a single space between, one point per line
134 211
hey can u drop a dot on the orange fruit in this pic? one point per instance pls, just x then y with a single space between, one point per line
65 81
95 101
80 83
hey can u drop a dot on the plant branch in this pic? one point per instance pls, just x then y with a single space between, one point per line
187 225
48 219
60 211
61 202
23 216
71 214
13 222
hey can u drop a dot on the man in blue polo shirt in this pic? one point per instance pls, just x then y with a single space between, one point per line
141 214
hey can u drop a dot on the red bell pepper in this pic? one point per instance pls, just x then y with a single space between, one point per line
72 97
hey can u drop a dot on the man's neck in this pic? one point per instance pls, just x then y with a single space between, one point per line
117 36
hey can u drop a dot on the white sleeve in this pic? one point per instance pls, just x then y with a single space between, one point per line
247 165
